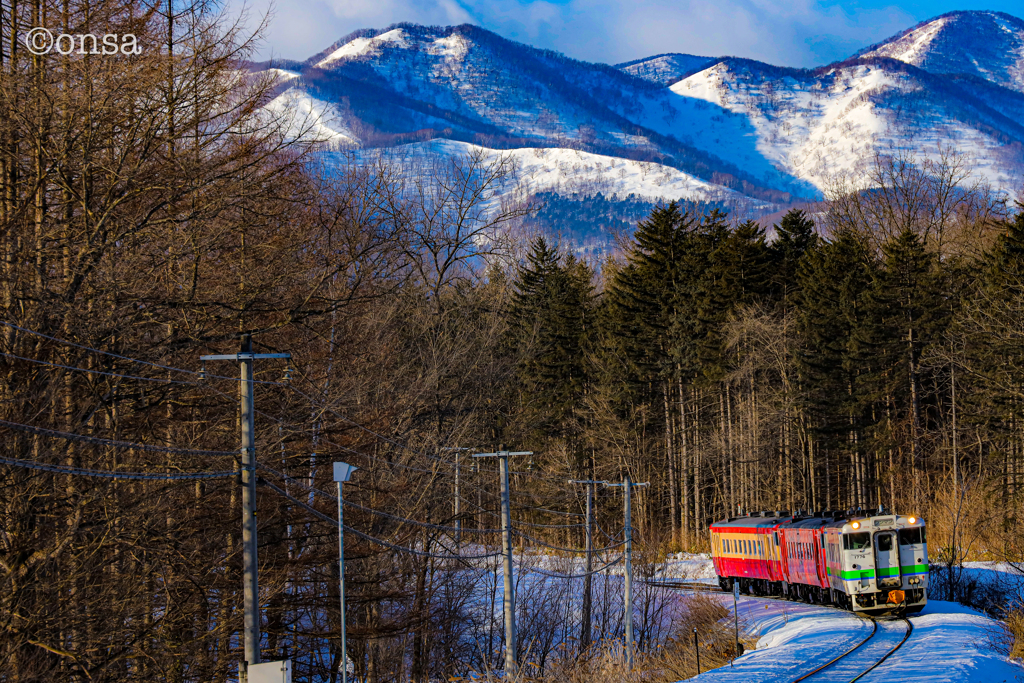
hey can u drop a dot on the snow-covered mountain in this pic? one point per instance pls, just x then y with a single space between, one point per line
989 45
666 69
723 128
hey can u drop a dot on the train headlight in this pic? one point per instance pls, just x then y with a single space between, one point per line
856 525
912 520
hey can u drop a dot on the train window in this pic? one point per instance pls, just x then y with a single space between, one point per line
885 542
911 536
856 541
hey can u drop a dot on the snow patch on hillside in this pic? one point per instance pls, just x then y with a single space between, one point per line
810 128
568 171
309 119
361 46
913 47
665 69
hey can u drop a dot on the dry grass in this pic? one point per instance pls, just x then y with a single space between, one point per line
673 661
1012 641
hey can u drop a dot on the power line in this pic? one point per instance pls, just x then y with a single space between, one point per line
127 358
325 518
554 575
576 551
114 474
162 380
372 511
68 436
309 398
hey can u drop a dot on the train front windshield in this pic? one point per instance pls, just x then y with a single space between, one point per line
857 541
912 536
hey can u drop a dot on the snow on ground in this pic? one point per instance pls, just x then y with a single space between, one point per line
950 643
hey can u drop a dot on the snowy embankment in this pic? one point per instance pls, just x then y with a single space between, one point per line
950 642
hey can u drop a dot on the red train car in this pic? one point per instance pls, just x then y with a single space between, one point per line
747 550
803 551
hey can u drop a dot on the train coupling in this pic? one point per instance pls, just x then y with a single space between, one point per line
896 597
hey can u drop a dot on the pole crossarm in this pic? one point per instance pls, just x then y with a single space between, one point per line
501 454
245 356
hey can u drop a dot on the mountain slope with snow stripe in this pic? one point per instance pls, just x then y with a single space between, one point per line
989 45
666 69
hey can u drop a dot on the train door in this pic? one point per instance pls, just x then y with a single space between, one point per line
887 559
819 559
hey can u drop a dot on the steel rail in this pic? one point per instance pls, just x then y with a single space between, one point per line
910 629
874 630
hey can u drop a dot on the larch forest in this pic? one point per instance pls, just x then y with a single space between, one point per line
864 351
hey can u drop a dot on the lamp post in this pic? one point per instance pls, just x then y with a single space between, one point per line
342 472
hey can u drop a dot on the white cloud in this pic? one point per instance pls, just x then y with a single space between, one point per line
301 28
783 32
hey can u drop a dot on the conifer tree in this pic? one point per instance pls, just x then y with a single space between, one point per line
833 279
794 237
551 310
904 314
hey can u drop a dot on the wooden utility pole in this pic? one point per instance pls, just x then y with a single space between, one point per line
509 605
587 578
250 578
627 488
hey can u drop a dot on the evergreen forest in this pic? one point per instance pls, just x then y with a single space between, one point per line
867 351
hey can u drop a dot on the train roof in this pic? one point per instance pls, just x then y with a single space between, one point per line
763 520
800 520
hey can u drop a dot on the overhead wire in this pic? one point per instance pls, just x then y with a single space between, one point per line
367 537
114 474
161 380
577 551
209 376
68 436
555 575
127 358
372 511
309 398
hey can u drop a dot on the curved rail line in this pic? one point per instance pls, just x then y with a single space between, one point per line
690 585
874 630
910 628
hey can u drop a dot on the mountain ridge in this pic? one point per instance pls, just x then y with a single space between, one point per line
771 133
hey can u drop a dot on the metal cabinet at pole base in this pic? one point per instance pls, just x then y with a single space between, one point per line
270 672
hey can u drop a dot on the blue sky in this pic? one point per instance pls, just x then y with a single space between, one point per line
798 33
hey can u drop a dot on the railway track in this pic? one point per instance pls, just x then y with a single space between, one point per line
858 670
836 669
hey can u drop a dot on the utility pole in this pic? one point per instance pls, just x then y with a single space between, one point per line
587 578
458 494
342 472
250 580
509 603
627 488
